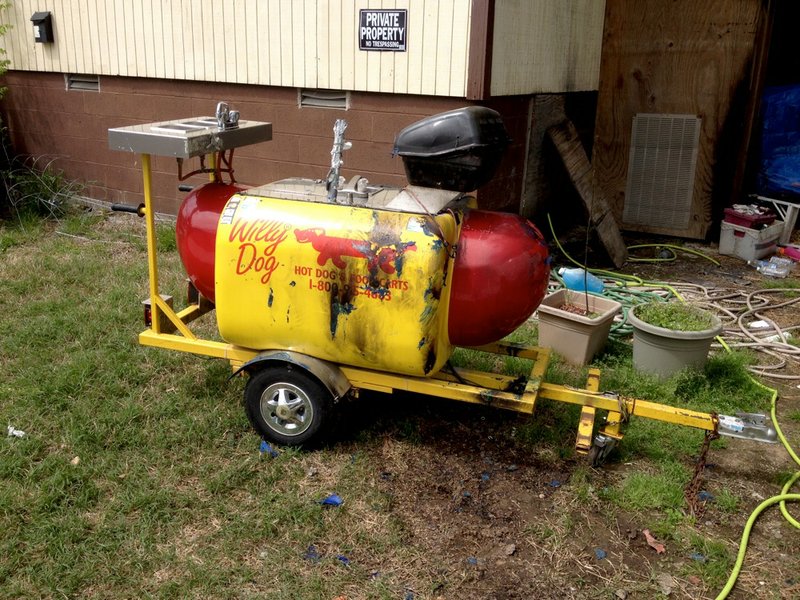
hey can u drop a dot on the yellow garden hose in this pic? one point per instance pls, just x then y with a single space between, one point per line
784 496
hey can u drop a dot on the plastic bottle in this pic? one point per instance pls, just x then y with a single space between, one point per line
790 252
782 262
769 267
579 280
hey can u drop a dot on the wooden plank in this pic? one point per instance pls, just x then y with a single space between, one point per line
681 57
310 51
444 47
568 143
459 51
173 36
275 46
325 58
220 52
262 38
81 33
297 44
286 41
430 37
479 59
160 35
144 41
238 59
415 57
184 54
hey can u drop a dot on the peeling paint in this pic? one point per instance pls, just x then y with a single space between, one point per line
341 304
430 359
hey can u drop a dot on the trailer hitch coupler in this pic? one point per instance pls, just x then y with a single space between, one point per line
748 426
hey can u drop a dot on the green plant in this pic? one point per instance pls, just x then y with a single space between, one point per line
35 186
675 315
711 559
727 501
662 489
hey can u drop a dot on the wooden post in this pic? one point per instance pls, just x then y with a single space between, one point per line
565 137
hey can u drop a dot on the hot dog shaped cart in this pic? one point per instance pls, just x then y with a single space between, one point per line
322 288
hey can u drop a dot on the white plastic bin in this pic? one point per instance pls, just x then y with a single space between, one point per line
749 244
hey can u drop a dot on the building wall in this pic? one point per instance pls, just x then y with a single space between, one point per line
546 46
165 59
293 43
44 119
535 46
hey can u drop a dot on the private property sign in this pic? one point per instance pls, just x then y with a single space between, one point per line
383 30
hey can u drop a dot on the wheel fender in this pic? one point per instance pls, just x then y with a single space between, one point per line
327 373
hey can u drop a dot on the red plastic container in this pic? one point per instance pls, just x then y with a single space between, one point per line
746 220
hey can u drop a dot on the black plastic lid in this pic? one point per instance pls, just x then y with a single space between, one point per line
461 129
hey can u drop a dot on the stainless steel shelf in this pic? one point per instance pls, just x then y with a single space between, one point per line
186 138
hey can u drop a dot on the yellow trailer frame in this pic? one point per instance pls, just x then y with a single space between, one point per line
170 330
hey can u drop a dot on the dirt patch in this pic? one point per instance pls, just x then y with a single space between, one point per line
495 522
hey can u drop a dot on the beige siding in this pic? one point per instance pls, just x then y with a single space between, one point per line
293 43
542 46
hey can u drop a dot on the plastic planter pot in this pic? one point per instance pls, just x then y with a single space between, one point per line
575 337
663 351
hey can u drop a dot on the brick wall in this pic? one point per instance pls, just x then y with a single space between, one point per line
43 118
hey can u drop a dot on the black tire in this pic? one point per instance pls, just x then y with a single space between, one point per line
287 405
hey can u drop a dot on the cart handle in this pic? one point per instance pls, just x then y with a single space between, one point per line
136 210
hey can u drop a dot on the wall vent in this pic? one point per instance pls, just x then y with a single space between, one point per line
82 83
661 169
323 99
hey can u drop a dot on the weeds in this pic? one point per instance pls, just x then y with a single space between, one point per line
34 187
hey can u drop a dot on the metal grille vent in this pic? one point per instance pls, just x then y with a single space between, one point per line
84 83
324 99
661 169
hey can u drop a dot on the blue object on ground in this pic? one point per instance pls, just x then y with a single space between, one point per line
705 496
343 559
485 476
332 500
697 556
600 554
265 448
311 554
472 561
555 483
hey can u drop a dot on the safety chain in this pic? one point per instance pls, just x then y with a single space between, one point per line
691 493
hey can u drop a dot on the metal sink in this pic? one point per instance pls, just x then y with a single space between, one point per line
186 138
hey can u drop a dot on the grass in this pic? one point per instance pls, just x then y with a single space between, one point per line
139 475
675 315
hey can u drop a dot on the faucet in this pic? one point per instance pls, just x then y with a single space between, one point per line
226 118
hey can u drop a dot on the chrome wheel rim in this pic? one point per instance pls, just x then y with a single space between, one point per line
286 409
